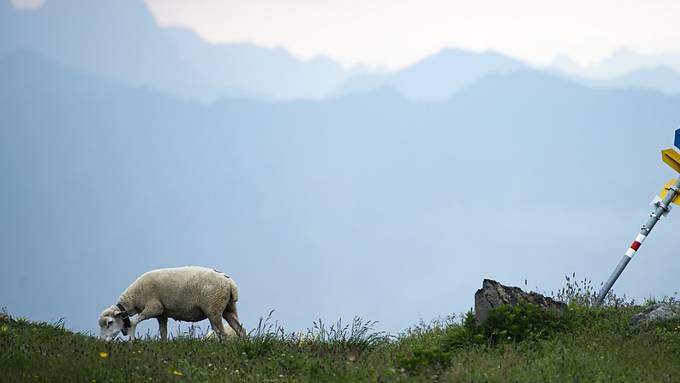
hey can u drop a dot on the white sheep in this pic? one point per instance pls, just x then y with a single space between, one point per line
189 294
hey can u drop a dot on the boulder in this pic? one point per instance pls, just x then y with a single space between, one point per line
655 313
493 294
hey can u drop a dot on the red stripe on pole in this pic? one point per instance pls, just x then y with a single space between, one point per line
635 245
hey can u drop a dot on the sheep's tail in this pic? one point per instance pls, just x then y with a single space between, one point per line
233 293
233 296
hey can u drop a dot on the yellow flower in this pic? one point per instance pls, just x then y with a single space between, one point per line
177 373
4 328
103 354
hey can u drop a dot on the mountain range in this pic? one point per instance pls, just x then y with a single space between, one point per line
662 79
435 78
620 63
324 191
366 203
121 41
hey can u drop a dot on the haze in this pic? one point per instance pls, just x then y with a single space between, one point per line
398 33
327 191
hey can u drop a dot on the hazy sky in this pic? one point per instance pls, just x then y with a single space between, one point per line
396 33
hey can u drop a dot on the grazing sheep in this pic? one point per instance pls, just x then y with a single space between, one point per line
184 293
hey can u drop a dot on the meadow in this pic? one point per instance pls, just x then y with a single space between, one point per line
517 344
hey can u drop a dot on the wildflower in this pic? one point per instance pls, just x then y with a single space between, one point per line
177 373
103 354
4 328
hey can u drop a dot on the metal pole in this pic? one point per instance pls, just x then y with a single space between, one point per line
662 208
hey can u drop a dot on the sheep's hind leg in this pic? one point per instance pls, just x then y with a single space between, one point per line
217 326
231 315
163 327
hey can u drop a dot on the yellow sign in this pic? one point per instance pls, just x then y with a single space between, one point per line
671 158
665 190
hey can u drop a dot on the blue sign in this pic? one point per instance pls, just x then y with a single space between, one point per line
677 138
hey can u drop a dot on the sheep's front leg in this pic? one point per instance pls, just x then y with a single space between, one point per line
151 310
163 326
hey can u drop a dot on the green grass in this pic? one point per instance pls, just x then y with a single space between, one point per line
522 345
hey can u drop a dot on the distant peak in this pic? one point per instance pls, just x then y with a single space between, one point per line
458 52
461 55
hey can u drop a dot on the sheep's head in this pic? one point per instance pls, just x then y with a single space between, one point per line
110 323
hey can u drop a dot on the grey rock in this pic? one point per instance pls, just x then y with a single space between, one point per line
655 313
493 294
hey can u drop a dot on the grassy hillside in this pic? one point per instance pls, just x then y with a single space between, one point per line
521 345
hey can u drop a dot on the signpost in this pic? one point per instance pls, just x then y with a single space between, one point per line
662 205
671 158
668 187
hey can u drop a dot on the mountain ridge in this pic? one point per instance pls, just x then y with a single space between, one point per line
435 77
